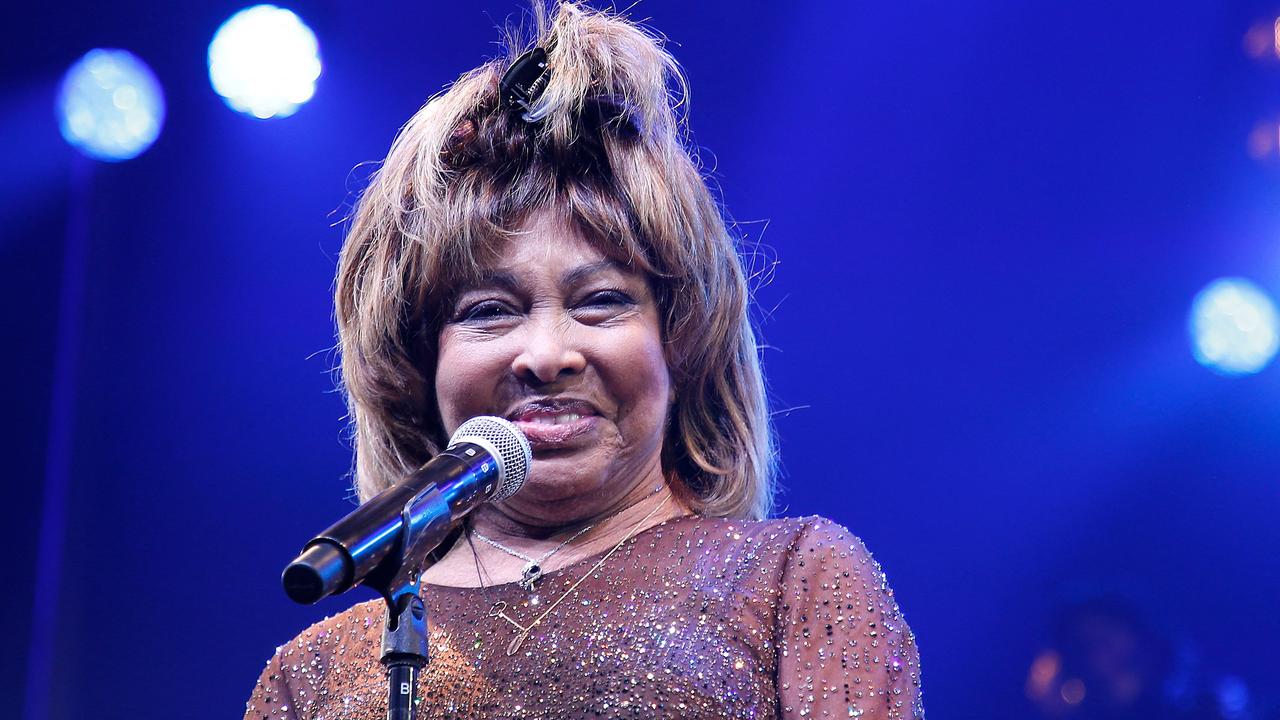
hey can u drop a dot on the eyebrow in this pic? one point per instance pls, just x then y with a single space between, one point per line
508 281
580 273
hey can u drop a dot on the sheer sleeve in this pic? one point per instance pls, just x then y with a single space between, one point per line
844 649
272 699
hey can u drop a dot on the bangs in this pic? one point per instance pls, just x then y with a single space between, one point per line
484 208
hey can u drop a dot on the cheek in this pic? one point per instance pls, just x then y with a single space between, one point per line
639 373
464 376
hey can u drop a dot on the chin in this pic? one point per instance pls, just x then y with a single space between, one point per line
558 479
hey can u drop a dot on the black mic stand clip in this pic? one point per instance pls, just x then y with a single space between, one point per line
404 637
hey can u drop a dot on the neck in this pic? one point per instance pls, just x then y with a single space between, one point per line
533 536
534 516
608 523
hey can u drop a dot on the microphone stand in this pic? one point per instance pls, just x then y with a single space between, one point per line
404 654
389 557
404 636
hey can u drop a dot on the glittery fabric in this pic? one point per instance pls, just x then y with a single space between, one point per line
691 618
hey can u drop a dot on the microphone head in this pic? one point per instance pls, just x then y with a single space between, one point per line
506 443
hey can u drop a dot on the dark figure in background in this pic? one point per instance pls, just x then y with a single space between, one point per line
1109 663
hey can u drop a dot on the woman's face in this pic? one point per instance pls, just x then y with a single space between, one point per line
565 343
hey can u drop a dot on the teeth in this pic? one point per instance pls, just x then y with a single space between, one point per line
555 419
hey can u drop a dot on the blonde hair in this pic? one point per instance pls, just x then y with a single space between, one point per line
610 156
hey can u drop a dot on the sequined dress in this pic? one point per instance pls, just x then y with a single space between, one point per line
691 618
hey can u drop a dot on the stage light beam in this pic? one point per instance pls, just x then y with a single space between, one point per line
1234 327
264 61
110 105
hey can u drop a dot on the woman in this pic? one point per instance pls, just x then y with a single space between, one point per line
554 257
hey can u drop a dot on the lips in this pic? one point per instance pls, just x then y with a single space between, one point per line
554 423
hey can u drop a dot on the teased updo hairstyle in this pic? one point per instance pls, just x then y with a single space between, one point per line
610 157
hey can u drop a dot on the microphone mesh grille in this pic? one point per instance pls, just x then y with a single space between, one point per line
513 449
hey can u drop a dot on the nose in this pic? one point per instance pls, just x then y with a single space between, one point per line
549 353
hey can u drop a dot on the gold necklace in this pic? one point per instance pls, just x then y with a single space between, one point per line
499 608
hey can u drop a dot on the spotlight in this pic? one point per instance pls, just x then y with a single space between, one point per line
1234 327
264 62
110 105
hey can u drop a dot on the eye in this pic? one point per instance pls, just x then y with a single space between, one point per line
606 298
602 306
485 310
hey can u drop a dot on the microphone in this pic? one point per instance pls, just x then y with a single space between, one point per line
487 460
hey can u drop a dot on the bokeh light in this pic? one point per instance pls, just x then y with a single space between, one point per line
1264 141
1234 327
264 61
1073 691
110 105
1262 40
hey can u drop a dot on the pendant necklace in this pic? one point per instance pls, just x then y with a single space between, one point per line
499 609
532 571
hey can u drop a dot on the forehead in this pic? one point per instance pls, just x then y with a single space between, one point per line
548 245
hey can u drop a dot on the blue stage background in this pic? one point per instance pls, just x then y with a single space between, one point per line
988 221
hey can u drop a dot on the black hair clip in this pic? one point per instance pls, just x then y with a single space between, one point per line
524 81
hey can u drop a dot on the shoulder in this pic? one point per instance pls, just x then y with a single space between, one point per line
828 542
336 631
836 604
800 536
825 557
796 548
298 669
772 531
